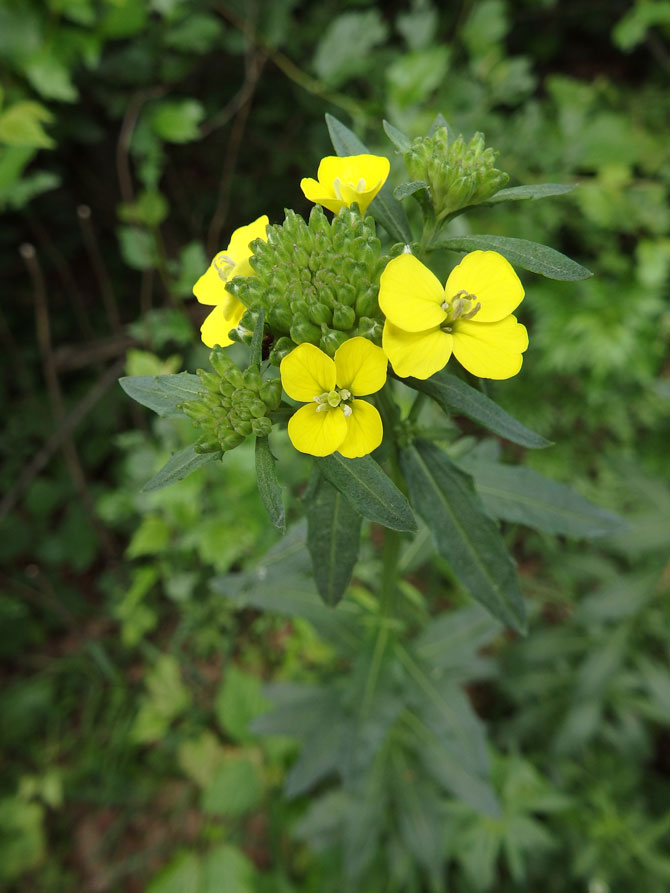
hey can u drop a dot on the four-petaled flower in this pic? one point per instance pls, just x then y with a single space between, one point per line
343 181
211 287
333 420
471 316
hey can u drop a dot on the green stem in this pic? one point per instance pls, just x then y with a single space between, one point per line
389 587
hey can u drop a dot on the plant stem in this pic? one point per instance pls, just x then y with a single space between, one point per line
390 556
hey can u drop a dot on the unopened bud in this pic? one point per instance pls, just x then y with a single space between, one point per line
270 393
331 340
343 317
252 377
261 427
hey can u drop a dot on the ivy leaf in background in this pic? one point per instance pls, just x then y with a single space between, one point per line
522 253
177 120
464 535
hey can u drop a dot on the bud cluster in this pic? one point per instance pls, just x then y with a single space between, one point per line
232 404
458 174
317 281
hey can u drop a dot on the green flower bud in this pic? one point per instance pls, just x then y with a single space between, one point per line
234 377
243 427
194 409
280 318
302 330
367 304
257 408
344 317
270 393
209 379
371 329
331 340
252 377
207 444
261 427
226 388
281 348
220 361
320 313
231 440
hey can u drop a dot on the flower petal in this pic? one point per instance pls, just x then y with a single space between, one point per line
360 366
307 372
410 296
321 194
490 277
364 431
317 433
490 349
210 287
420 354
221 320
238 248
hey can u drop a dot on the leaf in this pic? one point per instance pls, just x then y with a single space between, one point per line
227 868
397 137
525 496
268 483
178 466
177 120
529 255
531 192
181 875
21 125
383 207
458 779
162 393
238 702
464 535
234 790
454 395
333 535
405 189
369 490
256 346
344 49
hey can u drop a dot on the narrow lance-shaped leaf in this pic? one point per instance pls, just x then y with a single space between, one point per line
384 207
524 496
530 255
405 189
454 395
162 393
464 535
333 537
179 466
268 484
400 140
530 193
369 490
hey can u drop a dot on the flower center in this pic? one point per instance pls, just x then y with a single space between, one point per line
337 187
337 398
463 305
224 265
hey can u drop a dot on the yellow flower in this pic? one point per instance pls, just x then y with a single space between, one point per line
211 287
332 419
471 316
343 181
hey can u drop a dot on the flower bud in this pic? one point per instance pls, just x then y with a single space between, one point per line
331 340
209 379
302 330
270 392
231 440
243 427
281 348
234 377
261 427
207 444
257 408
343 317
320 313
252 377
220 361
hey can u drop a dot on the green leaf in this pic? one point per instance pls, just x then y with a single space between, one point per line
369 490
384 207
531 192
458 779
344 49
524 496
138 247
181 875
397 137
405 189
21 125
454 395
464 535
529 255
177 120
50 77
268 483
256 346
333 536
226 868
178 466
234 790
238 702
162 393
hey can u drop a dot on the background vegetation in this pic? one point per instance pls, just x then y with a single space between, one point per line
137 750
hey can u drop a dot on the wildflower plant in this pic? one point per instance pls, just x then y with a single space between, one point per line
358 348
352 344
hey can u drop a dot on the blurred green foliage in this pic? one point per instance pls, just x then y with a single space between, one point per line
139 749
